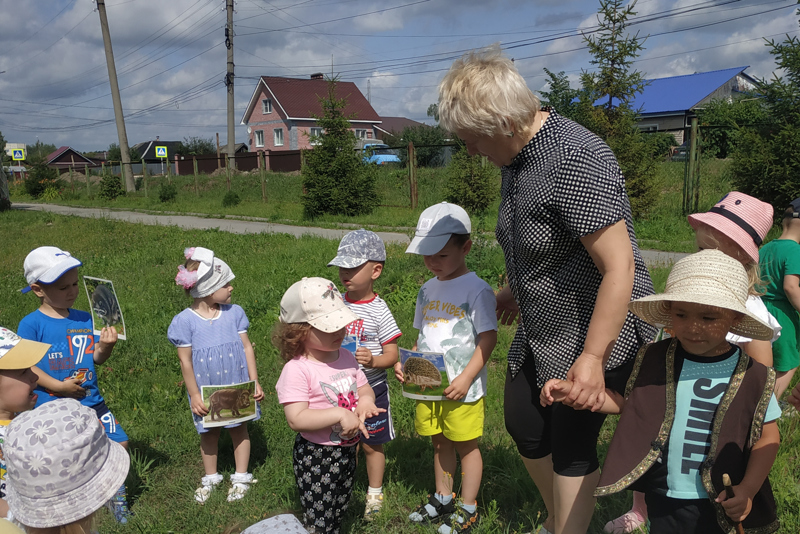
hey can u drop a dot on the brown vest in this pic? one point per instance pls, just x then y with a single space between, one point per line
644 427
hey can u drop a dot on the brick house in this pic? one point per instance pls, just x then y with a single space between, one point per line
280 115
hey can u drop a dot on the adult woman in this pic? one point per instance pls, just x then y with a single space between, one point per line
573 265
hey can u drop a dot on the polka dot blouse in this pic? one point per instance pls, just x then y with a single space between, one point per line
563 185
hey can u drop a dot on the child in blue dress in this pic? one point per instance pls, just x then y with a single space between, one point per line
214 350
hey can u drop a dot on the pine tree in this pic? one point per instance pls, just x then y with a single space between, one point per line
613 87
560 96
766 158
335 179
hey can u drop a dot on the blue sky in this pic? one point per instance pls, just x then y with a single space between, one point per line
170 55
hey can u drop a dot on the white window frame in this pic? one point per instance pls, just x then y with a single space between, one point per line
315 132
259 138
266 106
361 133
277 134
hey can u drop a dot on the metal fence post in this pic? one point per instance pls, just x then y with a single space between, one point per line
144 176
196 190
263 165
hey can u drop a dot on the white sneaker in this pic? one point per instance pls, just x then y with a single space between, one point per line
240 484
207 483
374 505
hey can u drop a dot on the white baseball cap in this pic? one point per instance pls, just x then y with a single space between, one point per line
18 353
436 225
316 301
46 265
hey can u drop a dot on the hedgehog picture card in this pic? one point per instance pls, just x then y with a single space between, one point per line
424 375
104 305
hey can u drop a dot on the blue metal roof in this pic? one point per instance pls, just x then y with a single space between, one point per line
679 93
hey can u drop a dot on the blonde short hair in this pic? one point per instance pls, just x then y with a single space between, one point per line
483 92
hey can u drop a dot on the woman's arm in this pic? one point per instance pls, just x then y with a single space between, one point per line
612 253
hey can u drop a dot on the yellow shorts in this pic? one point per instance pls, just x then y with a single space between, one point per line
458 421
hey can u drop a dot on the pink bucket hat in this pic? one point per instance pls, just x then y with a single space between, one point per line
746 220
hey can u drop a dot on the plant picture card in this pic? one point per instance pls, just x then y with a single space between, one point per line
350 343
104 305
230 404
424 375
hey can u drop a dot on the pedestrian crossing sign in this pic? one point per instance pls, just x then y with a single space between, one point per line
18 154
161 152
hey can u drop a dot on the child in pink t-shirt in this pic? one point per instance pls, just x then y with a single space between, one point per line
325 397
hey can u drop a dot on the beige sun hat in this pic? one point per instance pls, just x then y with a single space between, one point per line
709 277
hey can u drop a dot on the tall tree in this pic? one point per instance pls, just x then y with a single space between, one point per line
335 179
560 96
38 152
114 153
604 105
197 146
766 158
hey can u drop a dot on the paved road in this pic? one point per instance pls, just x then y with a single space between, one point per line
253 226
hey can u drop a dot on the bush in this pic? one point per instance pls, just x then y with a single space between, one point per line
51 193
167 192
335 179
230 199
39 178
110 187
139 183
661 144
471 183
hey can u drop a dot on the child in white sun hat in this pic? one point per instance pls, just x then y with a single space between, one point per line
62 467
696 407
325 396
17 384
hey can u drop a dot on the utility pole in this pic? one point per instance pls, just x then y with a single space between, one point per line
127 171
229 84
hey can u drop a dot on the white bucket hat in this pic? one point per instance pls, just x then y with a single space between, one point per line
61 465
709 277
316 301
212 273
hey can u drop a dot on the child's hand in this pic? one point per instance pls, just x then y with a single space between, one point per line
71 388
398 372
737 507
108 337
366 409
259 395
364 356
351 425
794 398
554 390
458 388
198 406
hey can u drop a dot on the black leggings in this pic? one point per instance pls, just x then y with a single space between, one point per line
569 435
324 475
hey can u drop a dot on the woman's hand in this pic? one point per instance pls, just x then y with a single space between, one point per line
507 307
588 388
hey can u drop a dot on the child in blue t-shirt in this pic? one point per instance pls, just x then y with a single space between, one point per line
68 368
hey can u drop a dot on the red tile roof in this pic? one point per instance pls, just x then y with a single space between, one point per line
299 98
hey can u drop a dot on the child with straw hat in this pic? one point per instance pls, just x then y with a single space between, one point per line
696 407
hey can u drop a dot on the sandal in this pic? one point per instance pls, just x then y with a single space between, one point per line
460 522
443 511
373 507
207 483
240 483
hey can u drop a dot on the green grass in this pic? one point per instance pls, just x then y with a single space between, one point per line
664 228
142 382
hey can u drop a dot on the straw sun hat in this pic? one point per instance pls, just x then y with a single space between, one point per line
709 277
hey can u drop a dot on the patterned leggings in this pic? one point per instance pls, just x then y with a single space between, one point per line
324 475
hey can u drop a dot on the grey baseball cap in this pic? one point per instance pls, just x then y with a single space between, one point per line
436 224
357 248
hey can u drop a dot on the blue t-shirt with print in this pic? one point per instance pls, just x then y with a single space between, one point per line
701 385
71 354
